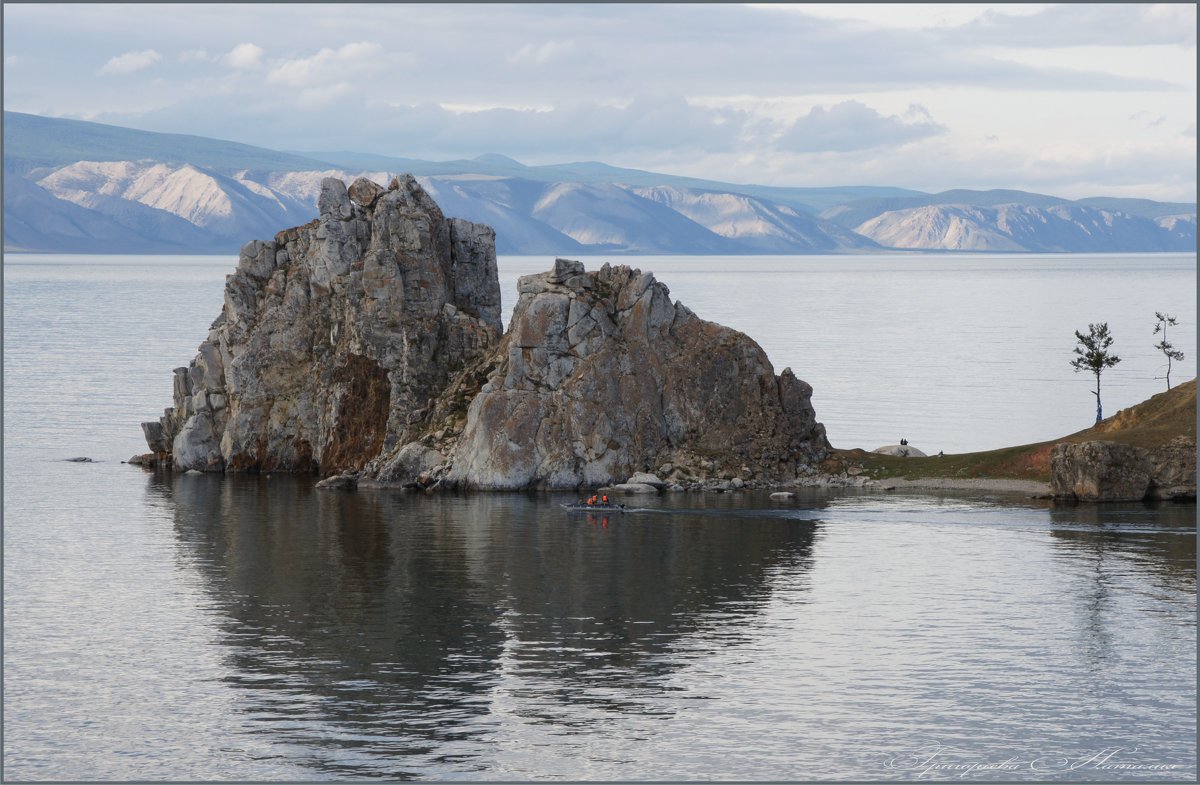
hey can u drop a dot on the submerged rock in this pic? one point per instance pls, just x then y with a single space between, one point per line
335 337
339 482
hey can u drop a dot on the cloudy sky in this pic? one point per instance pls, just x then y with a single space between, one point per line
1073 100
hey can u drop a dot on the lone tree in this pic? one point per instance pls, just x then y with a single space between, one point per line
1165 320
1094 356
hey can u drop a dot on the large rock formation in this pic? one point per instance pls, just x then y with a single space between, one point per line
366 344
600 376
1109 471
336 337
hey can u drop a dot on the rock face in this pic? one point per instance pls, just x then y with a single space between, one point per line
1111 471
336 337
1174 470
601 376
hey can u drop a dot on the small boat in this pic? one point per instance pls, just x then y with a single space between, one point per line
594 507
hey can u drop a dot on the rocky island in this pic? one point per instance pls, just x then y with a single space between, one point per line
366 347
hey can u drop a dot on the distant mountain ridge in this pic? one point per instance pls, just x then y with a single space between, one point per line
855 213
1010 227
75 186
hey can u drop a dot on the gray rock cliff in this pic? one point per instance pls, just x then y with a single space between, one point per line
336 337
1106 471
600 376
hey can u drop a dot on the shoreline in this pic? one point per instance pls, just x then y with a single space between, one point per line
1033 487
1027 487
348 482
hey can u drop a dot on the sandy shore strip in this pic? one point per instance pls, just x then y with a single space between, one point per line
1032 487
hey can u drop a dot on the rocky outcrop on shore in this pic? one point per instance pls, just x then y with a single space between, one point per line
336 337
601 376
1107 471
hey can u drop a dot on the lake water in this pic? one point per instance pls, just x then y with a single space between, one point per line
160 627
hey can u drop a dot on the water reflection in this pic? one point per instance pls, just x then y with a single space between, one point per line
1105 544
378 634
1158 537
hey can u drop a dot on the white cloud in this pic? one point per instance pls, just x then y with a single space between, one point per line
1145 169
712 90
315 97
909 16
852 125
539 55
326 64
244 56
1085 24
129 62
571 131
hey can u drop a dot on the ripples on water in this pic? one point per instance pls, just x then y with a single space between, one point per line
198 627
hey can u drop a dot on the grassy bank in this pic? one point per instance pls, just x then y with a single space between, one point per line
1148 424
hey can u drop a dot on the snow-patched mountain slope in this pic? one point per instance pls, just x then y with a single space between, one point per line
506 205
956 228
226 207
1181 228
1016 227
757 225
147 206
610 217
36 221
304 187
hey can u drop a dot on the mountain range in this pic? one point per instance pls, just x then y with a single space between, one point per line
75 186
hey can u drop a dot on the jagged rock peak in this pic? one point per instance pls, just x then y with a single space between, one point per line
335 336
600 376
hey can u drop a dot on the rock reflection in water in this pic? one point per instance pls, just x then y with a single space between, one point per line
377 633
1110 541
1158 537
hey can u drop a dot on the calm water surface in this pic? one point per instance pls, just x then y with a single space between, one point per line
197 627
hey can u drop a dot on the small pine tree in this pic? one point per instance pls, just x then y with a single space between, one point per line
1094 356
1165 320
